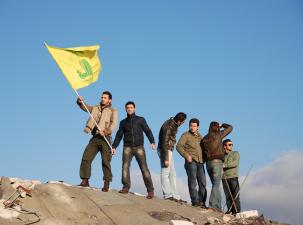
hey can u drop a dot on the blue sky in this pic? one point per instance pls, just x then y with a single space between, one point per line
238 62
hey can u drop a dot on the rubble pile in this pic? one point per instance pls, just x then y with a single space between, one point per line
56 202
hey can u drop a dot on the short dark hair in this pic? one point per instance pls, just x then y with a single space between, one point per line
225 141
107 93
130 103
214 126
181 116
194 120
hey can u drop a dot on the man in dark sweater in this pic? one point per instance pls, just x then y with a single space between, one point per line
167 140
132 128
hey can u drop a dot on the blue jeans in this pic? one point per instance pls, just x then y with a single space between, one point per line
139 153
196 173
214 169
169 180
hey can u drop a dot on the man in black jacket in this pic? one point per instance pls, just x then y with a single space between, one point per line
132 127
167 140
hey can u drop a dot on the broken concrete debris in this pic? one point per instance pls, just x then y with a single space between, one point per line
57 202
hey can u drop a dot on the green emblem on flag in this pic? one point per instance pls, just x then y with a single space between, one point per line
87 69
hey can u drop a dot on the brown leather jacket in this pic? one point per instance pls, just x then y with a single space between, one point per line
211 144
167 138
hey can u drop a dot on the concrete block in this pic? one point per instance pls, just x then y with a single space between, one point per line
180 222
247 214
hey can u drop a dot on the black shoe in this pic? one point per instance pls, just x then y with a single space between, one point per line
196 204
199 204
204 206
181 201
170 198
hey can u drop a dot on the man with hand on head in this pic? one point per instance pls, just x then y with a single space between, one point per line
214 155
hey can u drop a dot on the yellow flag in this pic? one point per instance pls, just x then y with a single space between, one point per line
80 65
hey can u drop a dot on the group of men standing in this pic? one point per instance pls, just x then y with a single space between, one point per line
221 162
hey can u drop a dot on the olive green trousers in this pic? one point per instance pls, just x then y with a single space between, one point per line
95 145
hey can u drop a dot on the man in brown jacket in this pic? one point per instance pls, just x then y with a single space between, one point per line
190 149
214 155
106 118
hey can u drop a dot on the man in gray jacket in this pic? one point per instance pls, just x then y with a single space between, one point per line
230 177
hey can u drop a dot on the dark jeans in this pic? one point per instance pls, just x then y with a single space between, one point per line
231 189
139 153
95 145
196 173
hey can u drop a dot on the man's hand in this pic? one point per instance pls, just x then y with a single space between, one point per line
166 163
113 151
80 100
100 133
189 159
153 146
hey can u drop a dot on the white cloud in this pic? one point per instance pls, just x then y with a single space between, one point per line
276 189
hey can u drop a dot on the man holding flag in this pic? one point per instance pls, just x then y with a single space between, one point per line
106 118
81 67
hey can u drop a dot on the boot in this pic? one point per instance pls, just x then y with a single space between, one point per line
150 195
105 186
124 191
84 183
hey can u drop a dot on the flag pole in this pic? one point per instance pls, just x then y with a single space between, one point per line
241 186
109 145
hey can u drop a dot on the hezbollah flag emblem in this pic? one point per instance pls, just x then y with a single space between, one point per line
81 65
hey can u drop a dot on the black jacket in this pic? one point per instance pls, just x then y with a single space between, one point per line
132 128
167 138
211 144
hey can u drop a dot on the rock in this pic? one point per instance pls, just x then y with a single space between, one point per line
180 222
213 220
247 214
227 218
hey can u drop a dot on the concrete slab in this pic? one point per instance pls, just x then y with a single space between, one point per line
6 188
106 198
60 204
130 215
